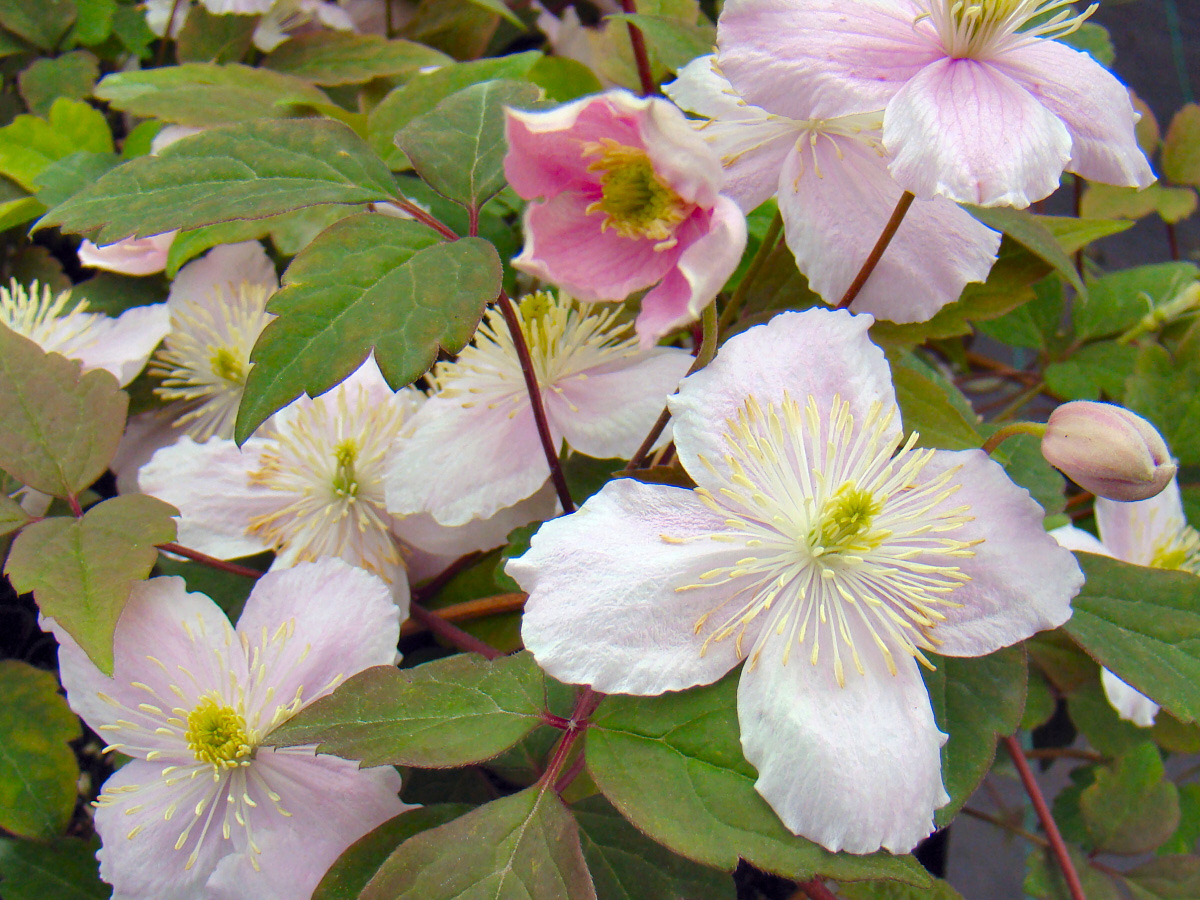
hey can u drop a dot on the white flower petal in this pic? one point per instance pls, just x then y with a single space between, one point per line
1130 704
423 532
209 280
122 346
1133 531
1078 540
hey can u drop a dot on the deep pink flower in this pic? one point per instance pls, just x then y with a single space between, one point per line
632 200
980 106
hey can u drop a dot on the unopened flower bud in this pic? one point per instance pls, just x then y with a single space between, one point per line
1108 450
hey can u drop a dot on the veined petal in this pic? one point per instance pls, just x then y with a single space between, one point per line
1021 579
122 346
310 626
575 253
138 852
1130 704
210 485
964 129
853 768
1133 531
818 59
836 196
824 353
605 602
1093 105
606 412
362 800
145 434
453 467
710 254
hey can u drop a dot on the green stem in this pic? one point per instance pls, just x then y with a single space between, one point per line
765 249
1012 430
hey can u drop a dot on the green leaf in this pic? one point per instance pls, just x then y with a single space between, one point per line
1188 833
226 589
37 765
93 23
29 144
247 171
894 890
1167 878
1181 147
339 57
206 37
12 517
675 43
82 570
65 869
70 75
1026 229
370 282
500 8
1094 717
1144 625
1094 40
521 847
1074 234
60 428
206 94
1166 390
451 712
1118 301
564 79
975 700
1131 808
1095 371
1044 879
627 865
425 91
362 859
60 181
927 409
43 23
130 28
673 766
458 146
1173 204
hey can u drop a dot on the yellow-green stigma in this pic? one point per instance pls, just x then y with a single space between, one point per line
635 203
1179 551
217 734
228 367
844 524
344 481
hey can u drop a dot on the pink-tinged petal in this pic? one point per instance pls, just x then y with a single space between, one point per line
818 59
332 804
751 143
1022 579
705 264
605 606
208 280
606 412
965 130
423 532
819 352
1130 704
1094 106
145 864
340 619
165 639
132 256
853 768
566 246
1079 541
145 434
545 148
210 485
466 462
680 156
836 196
1133 531
122 346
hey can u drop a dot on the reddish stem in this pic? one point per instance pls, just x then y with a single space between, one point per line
508 310
1172 241
638 42
585 704
211 561
816 890
425 218
885 238
571 774
1057 846
76 509
452 633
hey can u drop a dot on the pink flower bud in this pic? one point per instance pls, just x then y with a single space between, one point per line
1108 450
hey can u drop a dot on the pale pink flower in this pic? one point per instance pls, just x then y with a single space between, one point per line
132 256
118 345
835 196
203 810
632 201
980 105
474 448
1152 533
821 548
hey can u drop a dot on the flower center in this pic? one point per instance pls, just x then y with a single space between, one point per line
43 317
343 475
975 29
635 203
844 523
1179 550
217 734
205 358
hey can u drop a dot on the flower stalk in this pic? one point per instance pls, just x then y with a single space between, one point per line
881 245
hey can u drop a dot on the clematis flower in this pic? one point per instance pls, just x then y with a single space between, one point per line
632 201
218 307
1152 533
835 197
120 346
474 448
203 810
980 103
279 18
821 549
132 256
